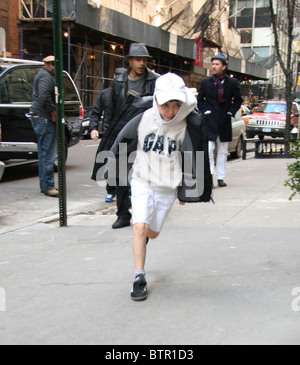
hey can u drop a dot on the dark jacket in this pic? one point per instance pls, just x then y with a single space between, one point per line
100 108
122 108
219 121
196 181
43 94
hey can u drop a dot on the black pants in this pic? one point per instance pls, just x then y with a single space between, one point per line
123 202
110 189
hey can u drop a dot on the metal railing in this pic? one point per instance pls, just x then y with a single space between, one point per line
268 148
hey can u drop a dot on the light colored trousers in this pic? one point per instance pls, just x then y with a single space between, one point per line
222 152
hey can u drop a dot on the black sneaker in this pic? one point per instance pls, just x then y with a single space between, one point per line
139 290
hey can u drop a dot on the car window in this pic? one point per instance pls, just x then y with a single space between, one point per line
237 117
275 108
245 110
3 92
16 85
70 93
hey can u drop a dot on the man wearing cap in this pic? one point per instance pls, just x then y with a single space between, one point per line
99 109
136 82
43 119
219 99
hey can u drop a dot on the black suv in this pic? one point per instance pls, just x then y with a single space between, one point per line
17 138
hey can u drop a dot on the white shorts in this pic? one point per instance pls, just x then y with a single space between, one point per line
149 206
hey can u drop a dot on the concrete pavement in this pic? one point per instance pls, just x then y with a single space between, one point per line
227 273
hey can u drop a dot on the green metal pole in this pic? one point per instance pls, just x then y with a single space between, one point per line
59 93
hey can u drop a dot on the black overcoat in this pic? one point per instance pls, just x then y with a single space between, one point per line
219 121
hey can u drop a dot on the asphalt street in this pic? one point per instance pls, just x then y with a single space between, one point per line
225 273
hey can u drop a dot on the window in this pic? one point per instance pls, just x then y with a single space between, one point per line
69 90
19 87
3 92
16 85
275 108
246 35
261 52
71 100
242 12
245 14
262 3
232 11
262 18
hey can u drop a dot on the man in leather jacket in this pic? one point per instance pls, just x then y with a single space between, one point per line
136 82
43 119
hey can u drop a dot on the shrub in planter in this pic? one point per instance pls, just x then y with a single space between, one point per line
294 171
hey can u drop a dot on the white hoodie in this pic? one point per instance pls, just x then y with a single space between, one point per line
158 160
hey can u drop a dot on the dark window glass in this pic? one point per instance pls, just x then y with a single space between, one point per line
245 18
19 86
69 90
262 18
3 92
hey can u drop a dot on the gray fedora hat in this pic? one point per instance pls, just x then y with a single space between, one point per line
138 50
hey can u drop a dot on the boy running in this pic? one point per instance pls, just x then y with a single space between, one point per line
162 137
157 171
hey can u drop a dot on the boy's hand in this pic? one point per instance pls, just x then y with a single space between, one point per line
181 203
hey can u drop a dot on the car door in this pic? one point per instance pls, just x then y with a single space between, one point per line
236 122
73 110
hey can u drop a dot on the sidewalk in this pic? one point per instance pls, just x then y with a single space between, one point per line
219 274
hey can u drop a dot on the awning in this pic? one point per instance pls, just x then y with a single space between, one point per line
247 68
117 24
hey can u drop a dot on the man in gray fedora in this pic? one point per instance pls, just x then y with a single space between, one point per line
137 81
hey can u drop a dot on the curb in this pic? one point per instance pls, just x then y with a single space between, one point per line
104 208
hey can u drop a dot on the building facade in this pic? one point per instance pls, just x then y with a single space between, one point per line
181 35
252 19
9 33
